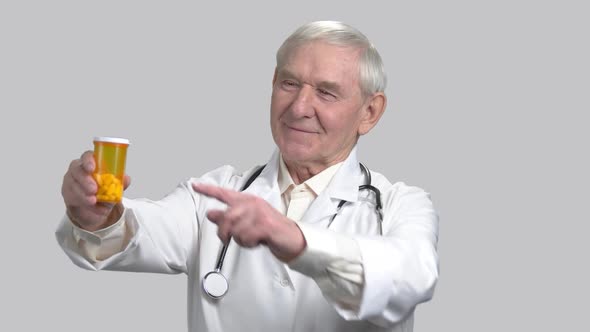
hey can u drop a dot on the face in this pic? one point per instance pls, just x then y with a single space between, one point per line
316 106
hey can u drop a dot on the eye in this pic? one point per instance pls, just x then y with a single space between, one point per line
289 85
327 95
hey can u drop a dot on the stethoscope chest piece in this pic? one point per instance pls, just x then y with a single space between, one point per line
215 285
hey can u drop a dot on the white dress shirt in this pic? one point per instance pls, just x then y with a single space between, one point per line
340 276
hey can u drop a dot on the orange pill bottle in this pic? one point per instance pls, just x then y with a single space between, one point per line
110 155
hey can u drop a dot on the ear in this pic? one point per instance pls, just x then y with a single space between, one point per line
372 111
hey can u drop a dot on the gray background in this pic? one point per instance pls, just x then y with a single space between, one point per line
487 111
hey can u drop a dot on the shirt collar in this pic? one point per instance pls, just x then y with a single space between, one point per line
318 183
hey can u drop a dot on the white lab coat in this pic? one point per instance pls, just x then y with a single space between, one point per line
173 236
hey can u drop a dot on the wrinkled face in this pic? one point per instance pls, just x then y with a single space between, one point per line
316 104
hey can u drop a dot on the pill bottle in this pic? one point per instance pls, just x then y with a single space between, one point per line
110 154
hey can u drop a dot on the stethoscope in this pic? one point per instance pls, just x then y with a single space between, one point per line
215 285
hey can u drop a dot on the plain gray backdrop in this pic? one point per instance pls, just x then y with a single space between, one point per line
488 111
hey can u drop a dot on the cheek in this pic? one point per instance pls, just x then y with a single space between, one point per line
274 109
333 122
339 124
275 114
279 104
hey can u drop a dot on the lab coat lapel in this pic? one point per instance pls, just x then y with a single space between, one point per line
343 186
266 184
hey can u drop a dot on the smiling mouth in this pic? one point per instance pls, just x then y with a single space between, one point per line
301 130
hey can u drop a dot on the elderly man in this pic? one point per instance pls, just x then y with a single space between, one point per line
311 241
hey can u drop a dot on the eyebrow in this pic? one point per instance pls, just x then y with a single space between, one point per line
328 85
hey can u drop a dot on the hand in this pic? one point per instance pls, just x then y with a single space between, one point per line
251 221
79 192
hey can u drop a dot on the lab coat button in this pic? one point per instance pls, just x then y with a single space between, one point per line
284 282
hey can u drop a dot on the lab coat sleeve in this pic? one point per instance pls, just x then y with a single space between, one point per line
102 244
333 261
377 278
160 235
401 267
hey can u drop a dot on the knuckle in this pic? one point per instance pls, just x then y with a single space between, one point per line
249 241
89 185
66 193
244 240
231 216
87 154
73 164
223 233
90 200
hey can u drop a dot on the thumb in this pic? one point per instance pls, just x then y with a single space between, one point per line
126 181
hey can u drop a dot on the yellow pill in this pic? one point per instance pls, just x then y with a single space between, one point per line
98 179
111 189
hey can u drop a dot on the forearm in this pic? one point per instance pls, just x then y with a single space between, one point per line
376 278
101 244
150 237
333 260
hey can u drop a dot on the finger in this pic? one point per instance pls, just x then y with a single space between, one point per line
126 182
226 196
75 195
247 241
216 216
246 235
77 171
88 163
223 227
240 224
85 182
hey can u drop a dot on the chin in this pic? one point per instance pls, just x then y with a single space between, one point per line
297 153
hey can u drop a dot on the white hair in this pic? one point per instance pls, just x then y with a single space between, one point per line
371 70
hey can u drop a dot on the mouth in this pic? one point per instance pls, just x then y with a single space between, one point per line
301 130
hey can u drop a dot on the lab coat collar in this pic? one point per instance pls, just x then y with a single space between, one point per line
266 184
345 183
343 186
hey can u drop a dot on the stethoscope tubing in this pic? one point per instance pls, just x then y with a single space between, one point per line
223 252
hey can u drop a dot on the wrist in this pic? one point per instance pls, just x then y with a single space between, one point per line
289 245
114 215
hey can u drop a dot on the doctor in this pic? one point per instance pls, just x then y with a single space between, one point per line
308 248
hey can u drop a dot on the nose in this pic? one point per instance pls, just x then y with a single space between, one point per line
302 105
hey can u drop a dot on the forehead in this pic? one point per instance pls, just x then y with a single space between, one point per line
319 61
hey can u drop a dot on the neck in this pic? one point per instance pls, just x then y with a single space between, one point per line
302 171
